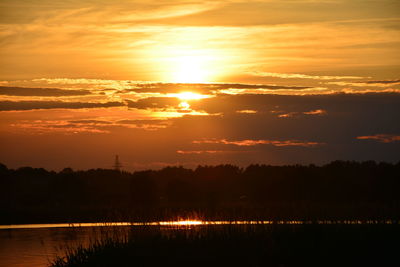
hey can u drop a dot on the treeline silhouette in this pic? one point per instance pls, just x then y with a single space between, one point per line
338 190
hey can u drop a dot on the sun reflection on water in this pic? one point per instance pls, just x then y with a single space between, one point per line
183 223
190 222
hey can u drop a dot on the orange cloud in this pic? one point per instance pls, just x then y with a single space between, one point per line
247 111
205 151
287 115
319 112
87 125
63 127
383 138
250 142
370 91
302 76
383 83
315 112
31 105
44 92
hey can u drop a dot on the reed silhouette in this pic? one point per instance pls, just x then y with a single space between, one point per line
241 245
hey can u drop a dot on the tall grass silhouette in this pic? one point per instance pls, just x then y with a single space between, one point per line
240 245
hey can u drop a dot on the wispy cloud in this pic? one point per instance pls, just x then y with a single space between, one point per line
87 125
196 152
83 82
207 88
279 91
63 127
247 111
382 83
133 38
150 125
383 138
316 112
117 90
91 122
288 115
250 142
370 91
301 76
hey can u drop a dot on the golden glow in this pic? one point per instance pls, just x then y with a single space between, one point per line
173 113
182 223
193 223
184 105
189 64
189 96
190 69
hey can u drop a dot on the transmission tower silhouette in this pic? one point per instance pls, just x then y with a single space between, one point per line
117 165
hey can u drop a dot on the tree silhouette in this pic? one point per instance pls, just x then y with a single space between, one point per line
340 189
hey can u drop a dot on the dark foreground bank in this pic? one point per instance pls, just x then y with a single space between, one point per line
336 191
242 245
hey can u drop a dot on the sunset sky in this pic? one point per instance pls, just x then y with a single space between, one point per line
198 82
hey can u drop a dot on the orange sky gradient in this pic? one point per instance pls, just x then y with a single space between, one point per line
198 82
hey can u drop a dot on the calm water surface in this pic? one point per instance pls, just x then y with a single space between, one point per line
35 245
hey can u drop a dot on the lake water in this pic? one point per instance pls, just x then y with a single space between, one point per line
35 245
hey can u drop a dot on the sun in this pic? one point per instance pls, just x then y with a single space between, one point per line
188 63
190 69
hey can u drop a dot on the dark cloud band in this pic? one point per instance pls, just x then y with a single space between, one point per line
29 105
25 91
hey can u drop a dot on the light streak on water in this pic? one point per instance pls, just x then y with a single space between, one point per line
184 223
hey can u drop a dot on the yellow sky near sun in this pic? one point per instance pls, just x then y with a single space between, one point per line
185 41
174 81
